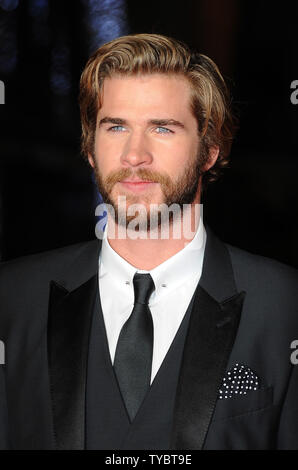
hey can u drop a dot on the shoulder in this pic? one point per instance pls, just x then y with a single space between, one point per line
52 264
261 274
253 264
25 283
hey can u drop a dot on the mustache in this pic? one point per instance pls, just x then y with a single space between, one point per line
144 174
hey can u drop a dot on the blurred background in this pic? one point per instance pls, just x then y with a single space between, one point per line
47 195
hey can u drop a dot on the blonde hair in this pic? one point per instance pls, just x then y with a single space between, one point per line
154 53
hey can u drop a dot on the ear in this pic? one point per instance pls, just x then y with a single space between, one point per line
90 160
213 155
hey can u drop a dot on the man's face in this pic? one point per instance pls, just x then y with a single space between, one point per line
146 132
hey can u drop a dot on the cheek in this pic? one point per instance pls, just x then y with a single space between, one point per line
178 155
105 153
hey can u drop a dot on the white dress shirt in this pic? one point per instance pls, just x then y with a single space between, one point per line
175 281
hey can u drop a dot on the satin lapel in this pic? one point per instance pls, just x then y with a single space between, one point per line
69 325
212 330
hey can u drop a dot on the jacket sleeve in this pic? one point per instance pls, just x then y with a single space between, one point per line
288 427
4 442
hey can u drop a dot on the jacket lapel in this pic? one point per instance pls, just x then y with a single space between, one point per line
69 324
212 330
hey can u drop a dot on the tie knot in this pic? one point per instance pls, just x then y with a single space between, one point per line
143 286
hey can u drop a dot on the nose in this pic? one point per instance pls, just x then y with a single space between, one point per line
136 151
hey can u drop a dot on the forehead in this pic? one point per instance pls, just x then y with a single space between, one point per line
146 94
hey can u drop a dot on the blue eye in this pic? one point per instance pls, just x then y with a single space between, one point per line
164 130
116 128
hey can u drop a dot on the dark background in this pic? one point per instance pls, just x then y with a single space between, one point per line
47 197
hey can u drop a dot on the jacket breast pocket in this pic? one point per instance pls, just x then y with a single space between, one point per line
249 403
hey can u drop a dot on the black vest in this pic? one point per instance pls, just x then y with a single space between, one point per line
107 423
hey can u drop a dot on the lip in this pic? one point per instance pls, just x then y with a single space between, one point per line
136 180
137 185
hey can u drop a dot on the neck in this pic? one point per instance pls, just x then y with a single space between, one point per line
146 253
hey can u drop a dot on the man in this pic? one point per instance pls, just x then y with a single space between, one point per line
146 339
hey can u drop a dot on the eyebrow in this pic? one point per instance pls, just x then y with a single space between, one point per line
156 122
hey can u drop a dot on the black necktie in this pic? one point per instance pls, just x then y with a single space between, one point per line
133 356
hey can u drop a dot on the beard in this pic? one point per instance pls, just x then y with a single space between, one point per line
176 192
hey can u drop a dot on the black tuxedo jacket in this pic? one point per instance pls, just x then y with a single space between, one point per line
245 312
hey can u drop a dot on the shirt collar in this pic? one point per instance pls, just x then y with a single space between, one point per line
170 274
